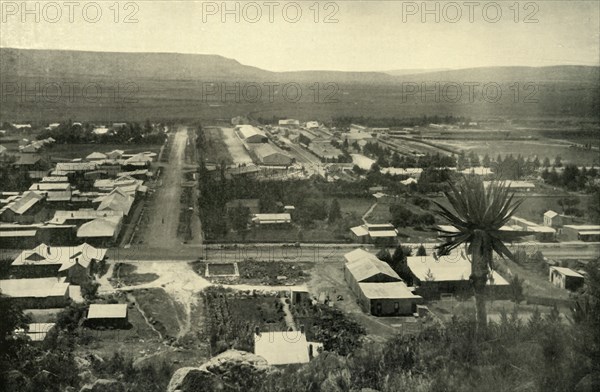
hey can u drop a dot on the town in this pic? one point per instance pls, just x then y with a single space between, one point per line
351 196
296 230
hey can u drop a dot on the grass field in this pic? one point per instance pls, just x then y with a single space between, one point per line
126 275
160 310
540 148
216 150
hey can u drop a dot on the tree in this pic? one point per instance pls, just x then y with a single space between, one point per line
478 216
421 251
335 212
398 257
384 255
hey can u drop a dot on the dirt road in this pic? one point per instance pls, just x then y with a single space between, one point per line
161 231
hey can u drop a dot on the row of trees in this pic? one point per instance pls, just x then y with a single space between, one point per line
571 178
130 133
387 122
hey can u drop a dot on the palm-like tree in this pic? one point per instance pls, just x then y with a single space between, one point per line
478 216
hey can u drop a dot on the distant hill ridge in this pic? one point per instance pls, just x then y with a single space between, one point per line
202 67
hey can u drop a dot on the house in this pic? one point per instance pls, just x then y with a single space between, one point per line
74 263
523 186
126 184
28 208
116 200
586 233
272 219
107 315
378 288
381 234
40 293
101 231
95 156
75 167
266 154
250 134
54 191
285 347
435 275
253 205
26 236
31 163
312 124
555 220
565 278
81 216
541 233
115 154
289 123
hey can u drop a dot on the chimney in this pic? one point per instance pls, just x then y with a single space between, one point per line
257 331
302 329
48 250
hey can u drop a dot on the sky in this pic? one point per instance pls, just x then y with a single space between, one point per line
288 36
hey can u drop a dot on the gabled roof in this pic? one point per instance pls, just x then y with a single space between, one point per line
453 267
116 200
28 160
567 272
96 156
386 290
65 256
364 265
25 202
100 227
550 214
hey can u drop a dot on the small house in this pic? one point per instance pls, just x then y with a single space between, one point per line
107 315
565 278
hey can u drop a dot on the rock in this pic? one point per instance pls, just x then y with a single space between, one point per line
211 375
86 377
82 363
104 385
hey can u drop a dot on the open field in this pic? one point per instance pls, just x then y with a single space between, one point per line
235 147
125 275
541 148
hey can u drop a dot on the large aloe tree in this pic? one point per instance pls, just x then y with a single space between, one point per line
478 214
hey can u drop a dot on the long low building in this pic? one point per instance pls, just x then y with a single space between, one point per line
272 219
267 155
378 288
586 233
39 293
71 262
449 275
380 234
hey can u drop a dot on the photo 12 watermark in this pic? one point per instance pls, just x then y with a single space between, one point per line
69 11
67 92
269 92
469 11
270 11
469 92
